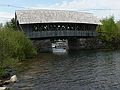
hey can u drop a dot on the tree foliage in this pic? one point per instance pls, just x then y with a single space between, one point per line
118 26
109 33
1 26
14 45
11 25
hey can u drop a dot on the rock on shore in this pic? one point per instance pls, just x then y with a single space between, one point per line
13 79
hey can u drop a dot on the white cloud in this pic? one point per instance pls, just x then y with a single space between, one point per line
5 16
78 5
88 4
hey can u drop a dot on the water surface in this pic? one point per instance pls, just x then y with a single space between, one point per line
83 70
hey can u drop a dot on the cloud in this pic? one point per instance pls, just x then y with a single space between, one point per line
77 5
5 16
87 4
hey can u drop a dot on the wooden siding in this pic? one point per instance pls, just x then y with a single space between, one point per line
56 30
67 33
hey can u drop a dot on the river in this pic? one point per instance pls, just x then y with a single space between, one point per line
83 70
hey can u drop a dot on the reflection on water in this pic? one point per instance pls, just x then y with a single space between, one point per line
84 70
59 51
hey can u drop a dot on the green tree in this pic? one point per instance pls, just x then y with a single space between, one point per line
11 24
118 26
1 26
14 46
108 32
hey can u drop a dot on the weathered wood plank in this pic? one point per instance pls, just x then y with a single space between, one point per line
41 34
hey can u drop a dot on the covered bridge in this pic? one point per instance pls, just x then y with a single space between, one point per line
56 23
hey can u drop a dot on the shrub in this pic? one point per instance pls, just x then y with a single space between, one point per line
14 46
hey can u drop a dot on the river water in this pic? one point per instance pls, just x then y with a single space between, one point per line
83 70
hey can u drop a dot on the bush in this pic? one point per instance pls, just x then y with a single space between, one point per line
109 33
14 46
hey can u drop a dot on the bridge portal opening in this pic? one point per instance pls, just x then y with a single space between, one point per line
59 45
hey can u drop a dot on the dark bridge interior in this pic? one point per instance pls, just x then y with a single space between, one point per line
59 30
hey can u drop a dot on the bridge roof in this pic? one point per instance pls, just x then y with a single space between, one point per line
54 16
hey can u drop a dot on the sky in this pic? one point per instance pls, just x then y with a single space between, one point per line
100 8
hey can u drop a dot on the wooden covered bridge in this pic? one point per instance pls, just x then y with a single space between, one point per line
47 24
56 23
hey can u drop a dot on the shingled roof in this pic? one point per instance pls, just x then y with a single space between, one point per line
54 16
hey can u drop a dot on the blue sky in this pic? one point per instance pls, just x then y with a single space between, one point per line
23 3
7 12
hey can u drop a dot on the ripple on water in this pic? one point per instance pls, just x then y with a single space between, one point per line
84 70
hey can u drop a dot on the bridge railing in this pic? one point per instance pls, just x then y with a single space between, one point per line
67 33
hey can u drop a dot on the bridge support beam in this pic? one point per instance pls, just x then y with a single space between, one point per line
43 45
